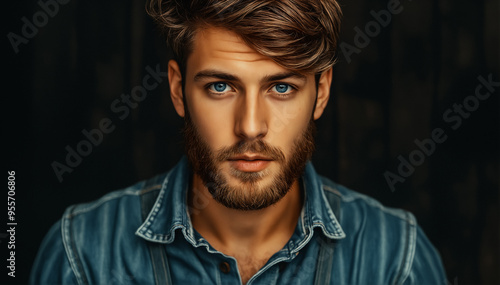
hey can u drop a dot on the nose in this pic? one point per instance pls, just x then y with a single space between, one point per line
251 118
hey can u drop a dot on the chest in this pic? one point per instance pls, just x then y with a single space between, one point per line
196 265
248 266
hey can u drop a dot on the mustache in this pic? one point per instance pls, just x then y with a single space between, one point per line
254 146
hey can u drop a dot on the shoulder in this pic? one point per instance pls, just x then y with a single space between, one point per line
51 265
383 241
118 212
90 233
122 205
360 213
361 205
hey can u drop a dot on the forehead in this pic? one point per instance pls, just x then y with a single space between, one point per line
217 46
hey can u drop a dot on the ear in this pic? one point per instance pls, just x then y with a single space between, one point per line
324 84
175 82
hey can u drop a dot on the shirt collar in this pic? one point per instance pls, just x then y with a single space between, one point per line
317 211
170 211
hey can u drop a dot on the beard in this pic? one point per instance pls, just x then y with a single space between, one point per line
250 193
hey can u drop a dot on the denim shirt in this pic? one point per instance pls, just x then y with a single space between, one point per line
109 242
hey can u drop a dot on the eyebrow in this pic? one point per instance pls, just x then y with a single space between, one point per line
214 74
229 77
284 75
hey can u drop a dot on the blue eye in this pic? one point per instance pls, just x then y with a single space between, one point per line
219 87
282 88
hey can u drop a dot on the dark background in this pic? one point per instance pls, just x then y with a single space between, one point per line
385 96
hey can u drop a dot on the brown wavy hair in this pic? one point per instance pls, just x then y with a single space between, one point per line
300 35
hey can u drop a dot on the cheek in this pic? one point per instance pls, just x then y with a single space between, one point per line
288 122
213 121
285 118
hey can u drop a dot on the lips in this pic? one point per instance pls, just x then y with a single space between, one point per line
250 163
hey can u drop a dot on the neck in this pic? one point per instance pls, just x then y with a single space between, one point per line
235 230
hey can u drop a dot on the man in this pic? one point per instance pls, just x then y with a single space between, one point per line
245 206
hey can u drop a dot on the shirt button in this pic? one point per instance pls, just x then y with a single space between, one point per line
224 267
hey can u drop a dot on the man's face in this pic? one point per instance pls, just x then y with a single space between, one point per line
249 128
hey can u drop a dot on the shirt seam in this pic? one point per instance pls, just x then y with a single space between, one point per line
71 251
410 245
